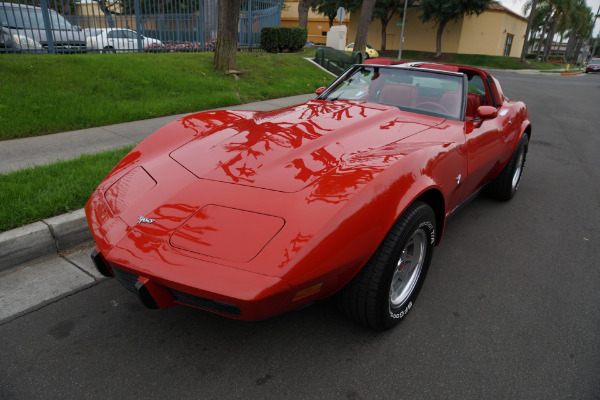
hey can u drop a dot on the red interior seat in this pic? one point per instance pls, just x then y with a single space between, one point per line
451 102
398 94
473 103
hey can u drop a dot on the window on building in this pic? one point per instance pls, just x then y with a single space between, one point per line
508 45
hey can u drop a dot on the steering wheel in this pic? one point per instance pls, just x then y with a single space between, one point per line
437 106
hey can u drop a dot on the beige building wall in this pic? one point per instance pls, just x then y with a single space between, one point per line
483 34
318 24
487 33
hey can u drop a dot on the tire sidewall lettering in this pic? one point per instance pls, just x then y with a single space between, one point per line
402 313
429 224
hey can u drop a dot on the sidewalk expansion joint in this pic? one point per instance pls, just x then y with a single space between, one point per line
53 234
119 135
64 254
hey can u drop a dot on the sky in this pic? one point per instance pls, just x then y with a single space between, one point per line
517 6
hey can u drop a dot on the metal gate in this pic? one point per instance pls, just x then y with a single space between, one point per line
113 26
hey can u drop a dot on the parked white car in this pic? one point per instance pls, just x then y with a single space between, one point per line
111 40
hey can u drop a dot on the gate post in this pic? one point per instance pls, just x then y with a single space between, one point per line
250 27
49 32
138 24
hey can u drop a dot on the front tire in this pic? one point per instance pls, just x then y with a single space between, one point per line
383 292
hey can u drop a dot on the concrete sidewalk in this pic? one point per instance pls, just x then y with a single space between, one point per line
41 263
21 153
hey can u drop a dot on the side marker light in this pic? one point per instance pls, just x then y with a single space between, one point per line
308 291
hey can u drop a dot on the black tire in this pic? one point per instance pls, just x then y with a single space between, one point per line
381 294
108 49
505 186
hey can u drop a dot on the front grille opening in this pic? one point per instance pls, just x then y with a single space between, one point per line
126 279
207 304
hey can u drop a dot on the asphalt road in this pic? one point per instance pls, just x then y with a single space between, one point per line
510 308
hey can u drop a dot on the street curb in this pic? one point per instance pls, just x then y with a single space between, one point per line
49 236
569 73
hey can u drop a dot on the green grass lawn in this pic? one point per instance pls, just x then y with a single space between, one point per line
44 94
41 192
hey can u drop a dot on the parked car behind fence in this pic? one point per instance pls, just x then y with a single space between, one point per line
30 29
114 40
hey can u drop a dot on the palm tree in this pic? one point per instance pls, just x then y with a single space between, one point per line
560 16
547 10
532 5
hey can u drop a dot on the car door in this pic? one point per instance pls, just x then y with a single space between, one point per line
131 40
120 40
112 38
489 141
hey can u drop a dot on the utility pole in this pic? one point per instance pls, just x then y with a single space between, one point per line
402 33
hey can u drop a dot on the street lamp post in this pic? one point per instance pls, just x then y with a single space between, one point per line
402 33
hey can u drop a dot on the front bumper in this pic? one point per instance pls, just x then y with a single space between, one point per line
178 279
154 296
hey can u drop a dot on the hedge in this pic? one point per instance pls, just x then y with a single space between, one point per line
275 39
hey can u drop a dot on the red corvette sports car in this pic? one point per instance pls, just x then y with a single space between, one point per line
251 214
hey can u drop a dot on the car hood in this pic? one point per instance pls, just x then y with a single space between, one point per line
237 185
289 149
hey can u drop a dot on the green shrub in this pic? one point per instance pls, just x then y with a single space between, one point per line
275 39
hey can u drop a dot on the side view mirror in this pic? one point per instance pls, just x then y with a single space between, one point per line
320 90
487 112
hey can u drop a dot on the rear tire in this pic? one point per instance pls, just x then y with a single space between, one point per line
505 186
383 292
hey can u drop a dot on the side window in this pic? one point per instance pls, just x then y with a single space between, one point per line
130 35
476 85
112 35
475 97
3 17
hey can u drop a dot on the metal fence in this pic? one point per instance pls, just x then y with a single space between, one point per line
67 26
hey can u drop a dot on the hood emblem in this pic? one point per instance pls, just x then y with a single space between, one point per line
144 220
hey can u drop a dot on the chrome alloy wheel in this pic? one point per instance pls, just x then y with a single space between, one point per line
408 268
518 169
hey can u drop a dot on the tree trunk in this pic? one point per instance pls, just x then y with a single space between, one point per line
578 47
384 24
550 39
362 33
570 47
438 40
528 30
543 37
227 34
303 8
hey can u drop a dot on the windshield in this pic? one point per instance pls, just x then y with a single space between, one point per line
595 61
23 18
425 92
